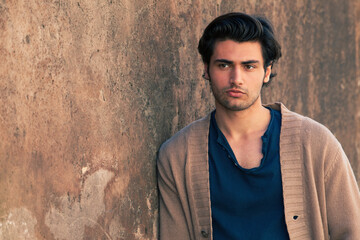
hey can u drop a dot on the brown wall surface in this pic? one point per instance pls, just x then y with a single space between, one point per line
90 89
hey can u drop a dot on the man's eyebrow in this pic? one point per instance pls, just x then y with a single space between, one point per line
224 61
231 62
250 62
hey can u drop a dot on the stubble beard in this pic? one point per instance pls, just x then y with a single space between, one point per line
221 98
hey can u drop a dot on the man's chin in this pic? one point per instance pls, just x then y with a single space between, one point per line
238 108
235 108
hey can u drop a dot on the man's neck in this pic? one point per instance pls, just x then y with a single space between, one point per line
243 124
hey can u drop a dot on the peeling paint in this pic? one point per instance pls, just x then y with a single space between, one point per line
115 230
84 170
69 220
19 224
138 235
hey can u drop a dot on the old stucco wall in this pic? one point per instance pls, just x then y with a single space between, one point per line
90 89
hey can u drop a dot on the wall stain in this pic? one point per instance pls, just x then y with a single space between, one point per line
19 224
70 219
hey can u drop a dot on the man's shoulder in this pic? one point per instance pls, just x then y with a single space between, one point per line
192 133
307 127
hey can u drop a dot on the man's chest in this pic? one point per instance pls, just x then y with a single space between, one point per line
248 153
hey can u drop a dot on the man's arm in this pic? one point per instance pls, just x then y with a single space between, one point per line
172 222
342 199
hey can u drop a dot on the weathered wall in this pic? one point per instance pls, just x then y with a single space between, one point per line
90 89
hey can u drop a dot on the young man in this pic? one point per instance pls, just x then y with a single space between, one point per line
249 171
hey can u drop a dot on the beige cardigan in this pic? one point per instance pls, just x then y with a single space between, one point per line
321 196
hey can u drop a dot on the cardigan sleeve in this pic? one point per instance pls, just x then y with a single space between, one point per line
342 199
172 218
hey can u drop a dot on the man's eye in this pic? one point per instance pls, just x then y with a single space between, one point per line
223 65
249 67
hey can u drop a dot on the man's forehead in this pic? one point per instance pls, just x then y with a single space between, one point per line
237 51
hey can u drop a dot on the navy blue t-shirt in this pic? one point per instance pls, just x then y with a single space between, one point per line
246 203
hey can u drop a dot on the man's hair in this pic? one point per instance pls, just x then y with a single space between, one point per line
241 27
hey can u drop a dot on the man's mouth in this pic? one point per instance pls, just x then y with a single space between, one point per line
235 92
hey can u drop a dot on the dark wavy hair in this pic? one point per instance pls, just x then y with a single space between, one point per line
241 27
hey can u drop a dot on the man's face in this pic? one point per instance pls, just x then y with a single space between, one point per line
236 73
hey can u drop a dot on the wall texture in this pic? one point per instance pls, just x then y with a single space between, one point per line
90 89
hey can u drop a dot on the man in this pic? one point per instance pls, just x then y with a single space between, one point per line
247 170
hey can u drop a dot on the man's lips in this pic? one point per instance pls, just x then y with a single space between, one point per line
235 92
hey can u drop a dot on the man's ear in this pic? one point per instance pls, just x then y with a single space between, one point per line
267 73
206 72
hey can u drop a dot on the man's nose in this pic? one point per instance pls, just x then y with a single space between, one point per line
236 76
